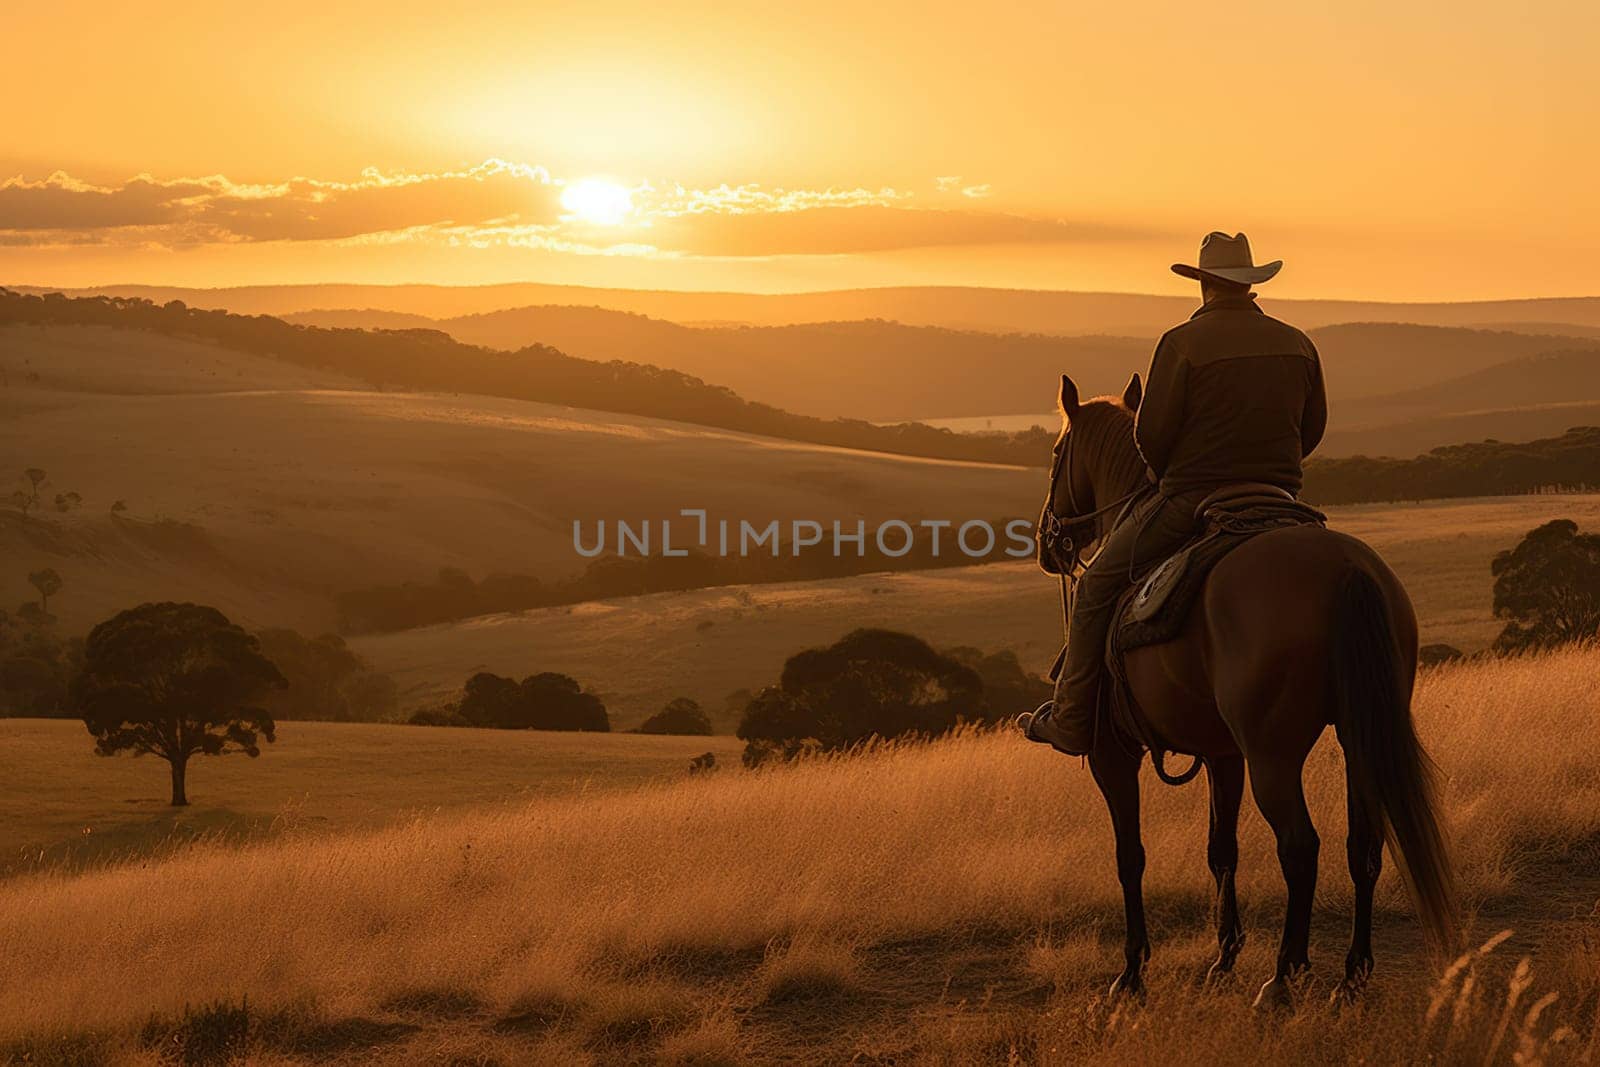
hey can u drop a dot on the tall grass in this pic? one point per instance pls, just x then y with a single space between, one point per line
541 903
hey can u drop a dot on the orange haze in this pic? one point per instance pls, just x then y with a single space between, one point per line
1421 151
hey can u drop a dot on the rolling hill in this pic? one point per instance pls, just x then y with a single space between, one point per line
264 489
640 652
892 372
1395 389
953 307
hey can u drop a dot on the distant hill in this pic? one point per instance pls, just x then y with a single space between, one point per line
874 370
1414 436
1568 463
364 319
1545 379
267 489
430 360
887 371
953 307
1365 359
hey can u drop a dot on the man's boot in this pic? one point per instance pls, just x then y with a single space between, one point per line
1067 723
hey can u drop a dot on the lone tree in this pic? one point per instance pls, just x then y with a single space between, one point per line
175 680
1548 588
48 582
681 716
27 499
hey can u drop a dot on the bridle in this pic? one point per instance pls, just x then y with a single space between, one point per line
1056 535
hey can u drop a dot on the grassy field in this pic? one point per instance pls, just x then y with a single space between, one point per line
943 903
641 652
62 804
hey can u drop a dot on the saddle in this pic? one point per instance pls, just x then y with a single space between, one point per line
1154 611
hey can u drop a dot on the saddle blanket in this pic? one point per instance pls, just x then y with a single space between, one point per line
1155 610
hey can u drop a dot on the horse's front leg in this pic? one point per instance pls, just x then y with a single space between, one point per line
1117 774
1226 777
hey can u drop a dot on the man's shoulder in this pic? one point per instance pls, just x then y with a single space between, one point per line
1234 333
1286 327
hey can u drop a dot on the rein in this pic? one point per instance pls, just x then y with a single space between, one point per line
1055 535
1055 538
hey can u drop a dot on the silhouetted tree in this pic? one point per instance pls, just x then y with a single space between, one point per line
27 498
438 715
48 582
327 680
176 680
1435 654
680 716
1007 687
489 700
539 702
36 665
1548 588
557 702
871 683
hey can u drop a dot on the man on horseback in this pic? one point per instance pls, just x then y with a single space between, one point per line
1233 396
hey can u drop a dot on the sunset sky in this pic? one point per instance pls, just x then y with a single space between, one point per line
1421 151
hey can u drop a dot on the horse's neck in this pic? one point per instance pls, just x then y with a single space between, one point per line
1118 470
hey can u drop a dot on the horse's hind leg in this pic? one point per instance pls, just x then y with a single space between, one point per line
1117 774
1364 850
1226 776
1281 798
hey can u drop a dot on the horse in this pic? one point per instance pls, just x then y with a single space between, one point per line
1297 629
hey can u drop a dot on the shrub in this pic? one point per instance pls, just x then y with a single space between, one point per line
545 701
681 716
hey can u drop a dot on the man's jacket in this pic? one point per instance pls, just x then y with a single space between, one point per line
1233 395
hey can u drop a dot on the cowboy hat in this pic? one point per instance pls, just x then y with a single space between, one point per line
1228 258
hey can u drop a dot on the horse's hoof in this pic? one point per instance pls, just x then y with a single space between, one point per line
1276 995
1128 986
1220 971
1347 994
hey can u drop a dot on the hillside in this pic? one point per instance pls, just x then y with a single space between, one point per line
1381 376
423 360
316 778
893 372
1570 375
265 490
952 902
953 307
707 643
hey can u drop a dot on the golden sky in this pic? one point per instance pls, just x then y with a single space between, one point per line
1425 150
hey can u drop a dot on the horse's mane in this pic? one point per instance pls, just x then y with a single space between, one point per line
1105 425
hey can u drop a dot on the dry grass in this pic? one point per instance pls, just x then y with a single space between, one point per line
631 921
62 804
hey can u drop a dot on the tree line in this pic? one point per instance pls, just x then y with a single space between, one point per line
1569 463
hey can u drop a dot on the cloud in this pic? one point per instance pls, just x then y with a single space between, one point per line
214 209
503 204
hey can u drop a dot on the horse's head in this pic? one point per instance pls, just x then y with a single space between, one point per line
1091 431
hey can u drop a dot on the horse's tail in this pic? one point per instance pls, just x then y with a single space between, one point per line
1385 763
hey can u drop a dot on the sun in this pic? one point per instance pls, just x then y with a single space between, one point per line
597 201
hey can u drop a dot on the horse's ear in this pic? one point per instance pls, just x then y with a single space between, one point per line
1133 393
1068 400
